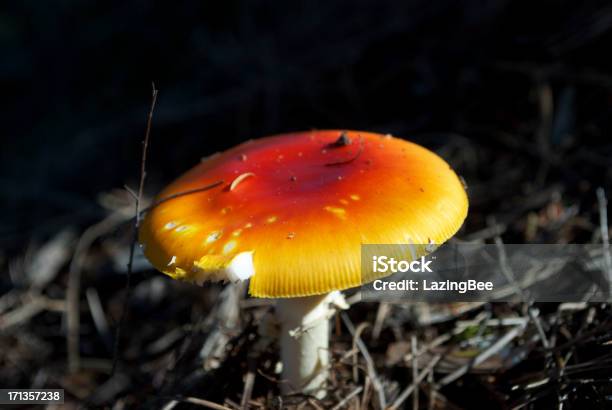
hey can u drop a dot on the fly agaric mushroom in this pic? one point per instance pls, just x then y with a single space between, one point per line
291 215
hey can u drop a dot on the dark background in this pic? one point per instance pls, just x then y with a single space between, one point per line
76 84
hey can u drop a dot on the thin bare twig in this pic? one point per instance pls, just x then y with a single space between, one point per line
509 275
356 336
145 146
369 362
204 403
367 391
348 398
249 382
383 310
73 293
180 194
22 314
143 162
432 390
408 391
98 316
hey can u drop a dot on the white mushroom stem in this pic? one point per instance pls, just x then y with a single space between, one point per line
305 341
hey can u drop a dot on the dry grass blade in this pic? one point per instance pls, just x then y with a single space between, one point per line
369 362
382 312
73 296
348 398
98 315
432 390
419 378
205 403
21 314
509 275
367 393
357 336
143 163
49 259
249 382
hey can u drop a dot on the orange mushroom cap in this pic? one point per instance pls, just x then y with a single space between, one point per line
292 211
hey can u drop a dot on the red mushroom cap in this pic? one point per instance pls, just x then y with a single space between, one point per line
292 211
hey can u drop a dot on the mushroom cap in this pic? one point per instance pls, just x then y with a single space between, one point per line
293 210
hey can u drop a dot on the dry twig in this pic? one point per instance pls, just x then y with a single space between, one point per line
408 391
143 173
369 362
73 297
348 398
